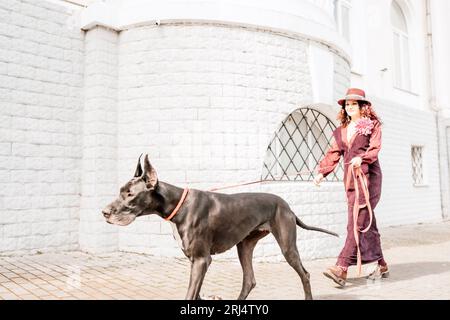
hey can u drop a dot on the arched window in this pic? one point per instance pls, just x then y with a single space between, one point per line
299 144
402 76
342 17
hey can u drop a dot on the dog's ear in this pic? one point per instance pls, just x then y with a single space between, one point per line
138 171
150 177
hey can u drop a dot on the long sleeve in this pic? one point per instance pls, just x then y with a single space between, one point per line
371 155
331 159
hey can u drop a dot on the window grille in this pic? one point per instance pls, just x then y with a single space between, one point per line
298 146
417 165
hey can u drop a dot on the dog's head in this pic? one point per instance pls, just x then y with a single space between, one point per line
136 197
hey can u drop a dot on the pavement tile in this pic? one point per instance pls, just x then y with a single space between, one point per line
8 296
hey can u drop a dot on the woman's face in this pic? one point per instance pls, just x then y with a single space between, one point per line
352 108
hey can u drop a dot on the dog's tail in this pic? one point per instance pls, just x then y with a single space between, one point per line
304 226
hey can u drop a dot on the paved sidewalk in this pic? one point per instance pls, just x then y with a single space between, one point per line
419 258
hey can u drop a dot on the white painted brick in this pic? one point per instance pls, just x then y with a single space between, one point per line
23 123
17 230
3 70
5 148
5 175
24 20
36 137
8 243
21 71
26 195
47 75
5 15
23 176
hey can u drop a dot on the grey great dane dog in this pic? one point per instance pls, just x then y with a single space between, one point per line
208 223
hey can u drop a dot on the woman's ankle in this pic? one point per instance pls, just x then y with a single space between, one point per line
382 263
343 268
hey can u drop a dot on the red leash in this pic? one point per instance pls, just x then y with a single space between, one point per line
253 182
358 174
264 180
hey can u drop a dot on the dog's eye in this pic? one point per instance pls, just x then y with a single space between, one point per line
129 194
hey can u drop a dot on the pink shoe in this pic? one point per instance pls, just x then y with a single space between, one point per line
379 272
338 275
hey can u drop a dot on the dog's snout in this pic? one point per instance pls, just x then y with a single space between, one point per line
106 213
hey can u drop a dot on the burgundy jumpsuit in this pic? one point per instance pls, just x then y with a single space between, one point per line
366 147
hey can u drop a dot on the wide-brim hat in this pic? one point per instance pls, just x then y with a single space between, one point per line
354 94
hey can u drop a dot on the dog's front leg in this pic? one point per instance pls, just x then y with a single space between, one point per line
199 267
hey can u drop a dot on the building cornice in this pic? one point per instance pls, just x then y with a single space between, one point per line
305 19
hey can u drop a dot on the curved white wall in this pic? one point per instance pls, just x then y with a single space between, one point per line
204 101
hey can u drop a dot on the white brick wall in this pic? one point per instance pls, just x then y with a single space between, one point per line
41 103
401 202
99 173
342 74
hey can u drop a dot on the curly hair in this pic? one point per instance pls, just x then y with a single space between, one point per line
366 112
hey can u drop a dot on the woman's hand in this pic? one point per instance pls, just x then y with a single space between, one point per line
318 179
356 162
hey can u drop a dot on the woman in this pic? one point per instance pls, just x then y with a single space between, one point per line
358 140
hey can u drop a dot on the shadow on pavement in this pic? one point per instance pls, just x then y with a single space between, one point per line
407 271
398 272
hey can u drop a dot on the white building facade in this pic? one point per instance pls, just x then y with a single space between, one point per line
217 93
